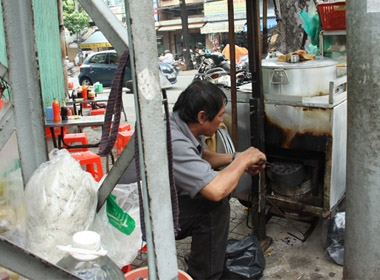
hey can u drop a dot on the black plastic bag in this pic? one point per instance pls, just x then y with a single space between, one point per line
244 259
335 238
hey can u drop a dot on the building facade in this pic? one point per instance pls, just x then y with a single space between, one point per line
207 23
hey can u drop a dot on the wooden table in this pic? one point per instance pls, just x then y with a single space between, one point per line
82 121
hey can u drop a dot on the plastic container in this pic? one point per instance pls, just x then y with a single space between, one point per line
142 273
49 114
333 15
89 266
56 110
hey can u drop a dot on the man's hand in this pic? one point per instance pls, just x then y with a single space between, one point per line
255 160
255 169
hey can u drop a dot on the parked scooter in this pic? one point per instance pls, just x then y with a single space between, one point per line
215 68
243 66
178 63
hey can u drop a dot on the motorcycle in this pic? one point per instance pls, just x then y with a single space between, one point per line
243 66
215 68
178 63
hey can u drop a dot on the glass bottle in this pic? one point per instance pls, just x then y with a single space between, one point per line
64 113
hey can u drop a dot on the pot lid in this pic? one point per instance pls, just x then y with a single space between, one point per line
315 63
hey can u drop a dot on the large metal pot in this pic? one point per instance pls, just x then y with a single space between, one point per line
303 78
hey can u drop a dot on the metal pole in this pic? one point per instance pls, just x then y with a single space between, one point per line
361 240
112 28
28 265
152 139
257 113
231 29
25 84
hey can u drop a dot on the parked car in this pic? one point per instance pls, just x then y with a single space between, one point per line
101 67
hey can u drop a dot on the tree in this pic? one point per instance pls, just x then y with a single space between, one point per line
290 36
185 32
75 18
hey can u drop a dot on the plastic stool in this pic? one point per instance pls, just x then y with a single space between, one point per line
122 140
71 138
100 111
124 127
126 268
92 162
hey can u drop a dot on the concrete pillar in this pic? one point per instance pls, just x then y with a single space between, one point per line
362 239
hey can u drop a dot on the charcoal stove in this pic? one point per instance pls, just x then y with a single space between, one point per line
310 130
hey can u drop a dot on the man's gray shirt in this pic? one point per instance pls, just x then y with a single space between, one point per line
191 172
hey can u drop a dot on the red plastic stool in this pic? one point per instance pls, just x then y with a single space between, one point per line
100 111
92 162
124 127
126 268
71 138
122 140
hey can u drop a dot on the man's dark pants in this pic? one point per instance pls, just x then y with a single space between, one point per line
208 224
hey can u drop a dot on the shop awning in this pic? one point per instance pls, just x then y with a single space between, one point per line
179 26
222 27
96 40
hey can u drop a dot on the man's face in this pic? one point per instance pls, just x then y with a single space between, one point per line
210 127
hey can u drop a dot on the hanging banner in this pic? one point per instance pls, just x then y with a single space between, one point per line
218 10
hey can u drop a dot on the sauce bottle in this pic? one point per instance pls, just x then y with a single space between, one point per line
84 92
64 111
56 110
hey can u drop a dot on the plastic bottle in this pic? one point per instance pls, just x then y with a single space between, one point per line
56 110
88 266
84 92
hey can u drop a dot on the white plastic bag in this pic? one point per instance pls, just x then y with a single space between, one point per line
122 248
12 207
61 200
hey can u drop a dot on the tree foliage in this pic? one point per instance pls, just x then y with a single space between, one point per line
74 16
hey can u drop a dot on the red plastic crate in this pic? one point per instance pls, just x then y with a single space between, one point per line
333 15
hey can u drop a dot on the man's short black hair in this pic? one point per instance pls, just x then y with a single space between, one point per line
200 95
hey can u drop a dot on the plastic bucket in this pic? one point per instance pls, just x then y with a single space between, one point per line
143 272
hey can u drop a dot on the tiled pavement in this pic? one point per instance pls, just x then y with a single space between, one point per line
286 258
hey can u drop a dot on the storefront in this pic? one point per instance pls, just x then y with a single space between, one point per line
171 37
